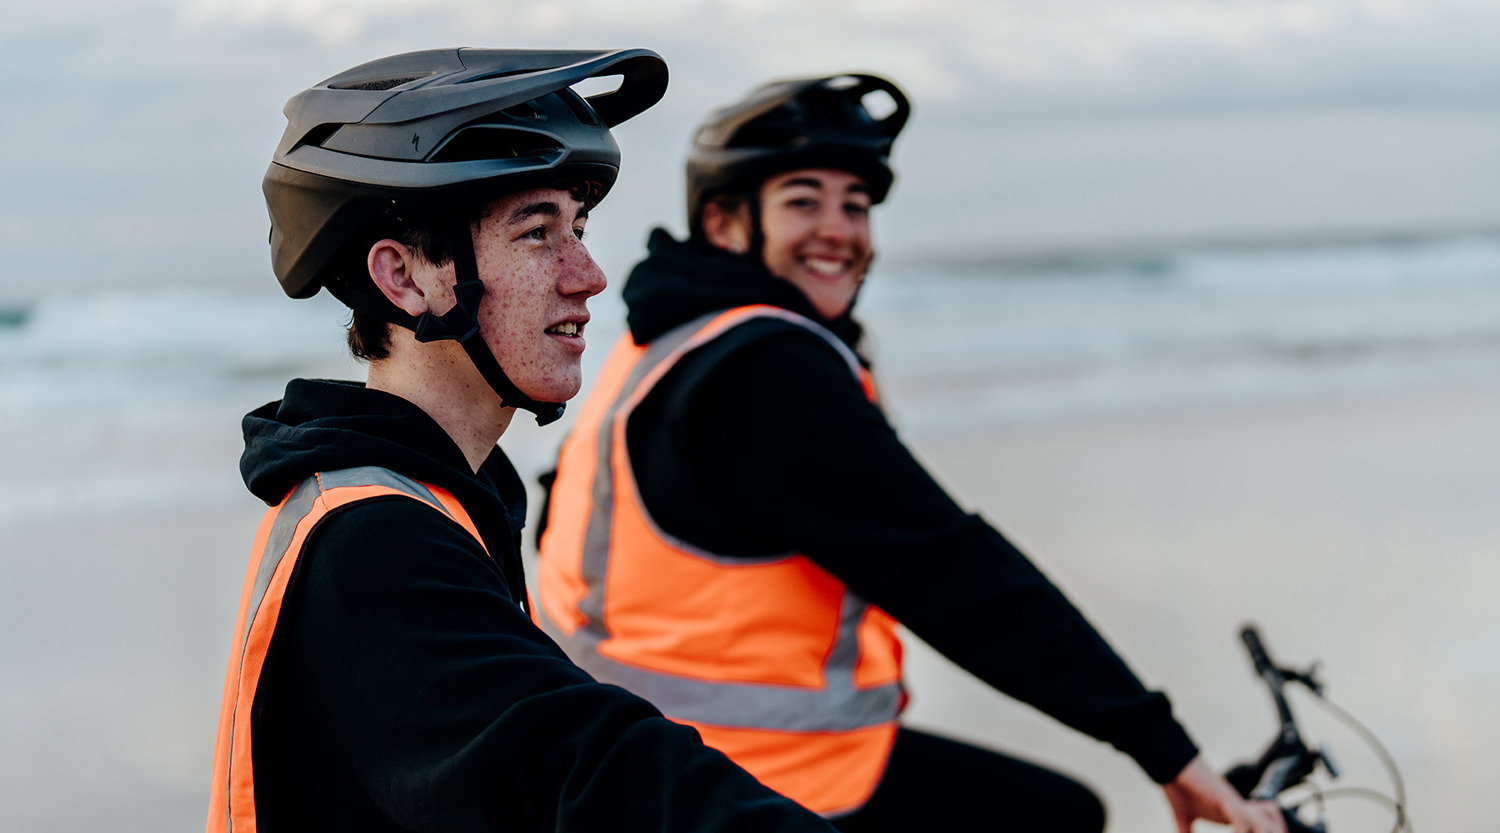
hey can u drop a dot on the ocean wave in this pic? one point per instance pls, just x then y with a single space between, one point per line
1197 324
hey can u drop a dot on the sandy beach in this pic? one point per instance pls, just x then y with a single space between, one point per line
1358 530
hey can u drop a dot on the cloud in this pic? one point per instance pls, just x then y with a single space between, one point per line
165 106
330 22
1023 55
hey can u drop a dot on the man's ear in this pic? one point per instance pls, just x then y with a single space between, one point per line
392 266
726 228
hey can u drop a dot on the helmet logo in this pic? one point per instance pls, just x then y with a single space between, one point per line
415 138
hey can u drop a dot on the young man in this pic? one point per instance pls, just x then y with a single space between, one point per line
735 528
384 673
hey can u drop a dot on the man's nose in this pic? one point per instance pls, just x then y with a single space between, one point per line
581 275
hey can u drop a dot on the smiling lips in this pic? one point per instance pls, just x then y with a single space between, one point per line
566 328
826 267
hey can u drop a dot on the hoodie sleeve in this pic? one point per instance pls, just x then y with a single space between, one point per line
448 710
787 450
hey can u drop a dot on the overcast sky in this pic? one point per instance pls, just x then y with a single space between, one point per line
136 133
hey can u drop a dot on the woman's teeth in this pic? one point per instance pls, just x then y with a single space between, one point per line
825 267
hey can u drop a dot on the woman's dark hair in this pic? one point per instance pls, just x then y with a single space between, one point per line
730 200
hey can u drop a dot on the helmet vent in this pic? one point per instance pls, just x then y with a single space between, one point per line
378 84
879 104
598 85
580 108
318 135
485 142
524 110
490 76
777 129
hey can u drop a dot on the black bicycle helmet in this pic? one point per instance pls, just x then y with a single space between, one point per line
787 125
442 128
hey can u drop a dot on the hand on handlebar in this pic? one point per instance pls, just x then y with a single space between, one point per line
1198 792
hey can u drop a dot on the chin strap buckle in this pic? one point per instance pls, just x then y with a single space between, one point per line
460 323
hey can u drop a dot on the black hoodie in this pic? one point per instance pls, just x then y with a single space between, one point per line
406 689
764 443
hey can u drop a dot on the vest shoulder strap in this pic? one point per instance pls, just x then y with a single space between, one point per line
374 481
723 331
711 326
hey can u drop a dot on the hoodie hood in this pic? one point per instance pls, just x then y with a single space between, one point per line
323 425
680 281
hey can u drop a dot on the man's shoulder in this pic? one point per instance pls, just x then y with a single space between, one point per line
381 536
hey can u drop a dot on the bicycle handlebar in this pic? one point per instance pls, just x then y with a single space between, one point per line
1287 761
1276 678
1251 637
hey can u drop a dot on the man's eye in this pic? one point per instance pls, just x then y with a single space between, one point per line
802 202
856 209
578 232
538 233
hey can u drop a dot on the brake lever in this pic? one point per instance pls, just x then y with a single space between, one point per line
1309 678
1326 758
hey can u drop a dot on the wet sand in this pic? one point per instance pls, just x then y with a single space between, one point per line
1361 531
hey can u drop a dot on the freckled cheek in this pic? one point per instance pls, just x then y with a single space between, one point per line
520 292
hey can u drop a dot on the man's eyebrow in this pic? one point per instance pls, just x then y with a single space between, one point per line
540 208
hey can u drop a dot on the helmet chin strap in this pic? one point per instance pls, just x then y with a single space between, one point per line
757 242
461 324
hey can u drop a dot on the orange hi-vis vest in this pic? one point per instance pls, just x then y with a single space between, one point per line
774 661
278 543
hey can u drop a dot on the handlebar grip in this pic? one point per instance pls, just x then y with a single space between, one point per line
1279 774
1251 637
1243 777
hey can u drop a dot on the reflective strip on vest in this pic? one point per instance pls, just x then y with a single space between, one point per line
803 692
278 543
